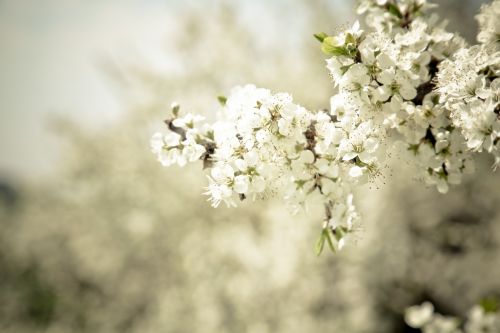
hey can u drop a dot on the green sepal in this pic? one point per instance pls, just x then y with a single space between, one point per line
350 39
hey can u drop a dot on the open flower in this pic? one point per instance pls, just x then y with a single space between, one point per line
398 81
359 144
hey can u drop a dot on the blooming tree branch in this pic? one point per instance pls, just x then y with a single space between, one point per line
405 88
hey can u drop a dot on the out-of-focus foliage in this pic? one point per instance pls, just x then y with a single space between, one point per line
116 243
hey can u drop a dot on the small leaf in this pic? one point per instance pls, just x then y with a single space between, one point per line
339 233
175 109
320 243
328 48
222 100
394 10
329 239
490 304
320 36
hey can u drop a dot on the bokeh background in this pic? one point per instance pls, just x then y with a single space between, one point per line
95 236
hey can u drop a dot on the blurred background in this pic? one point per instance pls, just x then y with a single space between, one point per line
97 237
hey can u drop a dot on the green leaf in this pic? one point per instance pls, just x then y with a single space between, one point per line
329 239
320 36
490 304
326 236
339 233
320 243
394 10
328 48
222 100
175 109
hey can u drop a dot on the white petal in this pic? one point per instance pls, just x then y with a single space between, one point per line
384 61
407 91
382 93
241 164
241 183
306 156
442 186
355 171
417 316
349 156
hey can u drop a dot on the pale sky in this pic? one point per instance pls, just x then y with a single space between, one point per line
48 64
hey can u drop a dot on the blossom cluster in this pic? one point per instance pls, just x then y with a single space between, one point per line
183 143
469 85
384 80
405 88
266 145
479 319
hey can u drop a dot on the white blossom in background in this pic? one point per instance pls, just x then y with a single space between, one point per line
419 315
406 88
479 320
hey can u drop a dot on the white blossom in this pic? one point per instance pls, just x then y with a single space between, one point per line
419 315
478 320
